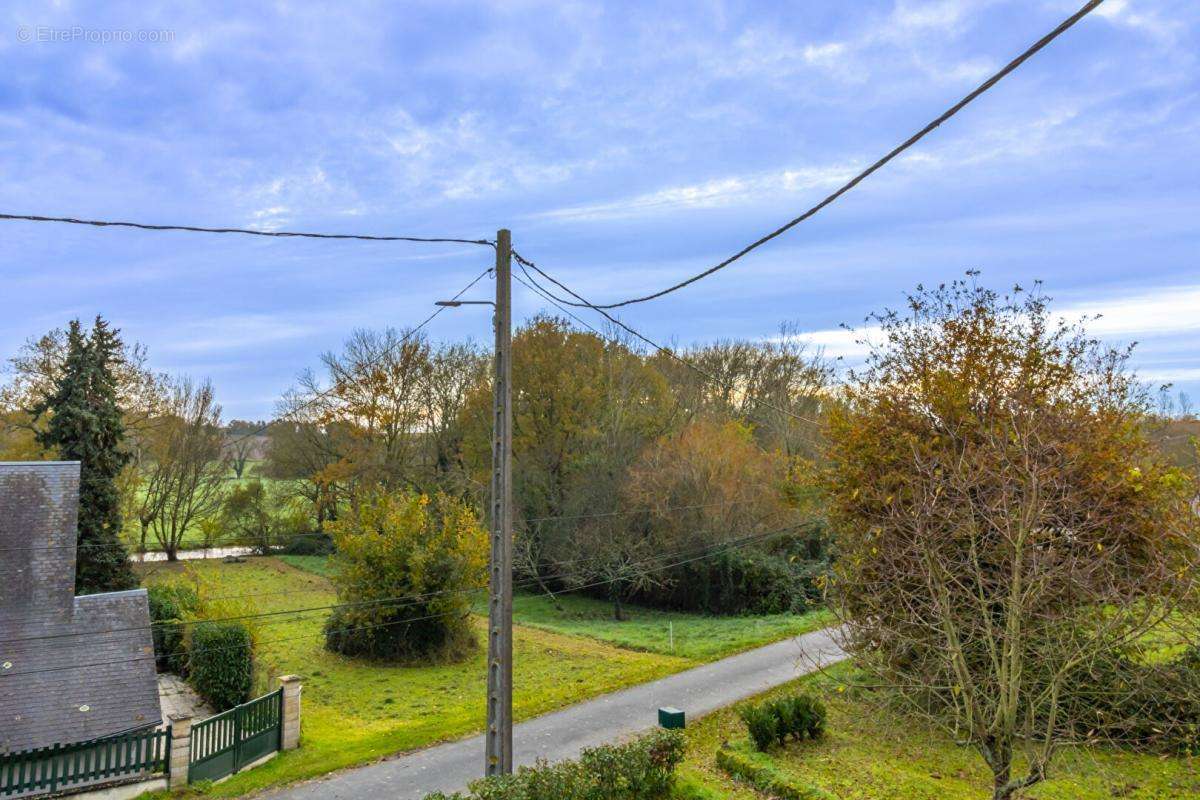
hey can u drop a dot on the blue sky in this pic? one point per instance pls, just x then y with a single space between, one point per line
625 144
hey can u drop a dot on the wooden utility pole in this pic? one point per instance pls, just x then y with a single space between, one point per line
500 602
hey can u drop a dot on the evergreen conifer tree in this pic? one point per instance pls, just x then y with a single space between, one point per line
85 425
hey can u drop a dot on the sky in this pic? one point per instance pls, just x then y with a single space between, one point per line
626 145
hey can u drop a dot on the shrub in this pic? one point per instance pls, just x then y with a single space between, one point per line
780 577
766 777
172 601
170 647
639 770
1125 700
309 544
169 604
762 725
401 562
221 663
799 716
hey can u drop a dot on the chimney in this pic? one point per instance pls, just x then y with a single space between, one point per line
39 509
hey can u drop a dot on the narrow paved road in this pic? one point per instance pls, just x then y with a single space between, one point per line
563 734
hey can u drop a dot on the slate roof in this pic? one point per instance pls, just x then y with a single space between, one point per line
86 666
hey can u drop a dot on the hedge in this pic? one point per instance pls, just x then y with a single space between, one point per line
766 777
170 603
221 663
643 769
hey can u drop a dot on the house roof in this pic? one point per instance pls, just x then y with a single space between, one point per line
86 678
71 668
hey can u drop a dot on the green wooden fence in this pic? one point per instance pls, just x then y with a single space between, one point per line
58 767
223 744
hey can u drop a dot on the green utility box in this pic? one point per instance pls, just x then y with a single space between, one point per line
670 718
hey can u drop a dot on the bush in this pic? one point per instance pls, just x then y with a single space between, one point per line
781 577
170 647
172 601
766 777
169 604
1122 699
221 663
401 563
309 544
799 716
762 725
643 769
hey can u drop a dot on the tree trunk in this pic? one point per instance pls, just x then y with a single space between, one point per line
618 612
1000 761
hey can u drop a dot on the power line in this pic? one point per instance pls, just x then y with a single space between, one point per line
722 548
404 600
341 384
857 179
99 223
283 417
315 534
637 511
583 303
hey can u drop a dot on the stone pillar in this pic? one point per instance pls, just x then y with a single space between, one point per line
289 737
181 750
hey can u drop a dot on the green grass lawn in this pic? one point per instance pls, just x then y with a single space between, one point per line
355 711
318 565
692 636
193 537
869 754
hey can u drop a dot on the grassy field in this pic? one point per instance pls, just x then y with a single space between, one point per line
356 712
193 537
690 636
318 565
671 633
869 754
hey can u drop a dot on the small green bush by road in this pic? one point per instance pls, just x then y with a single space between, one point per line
640 770
221 663
799 716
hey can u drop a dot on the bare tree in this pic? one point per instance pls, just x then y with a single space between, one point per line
777 386
240 449
308 454
454 371
186 473
378 393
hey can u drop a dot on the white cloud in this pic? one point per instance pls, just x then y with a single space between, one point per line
1166 310
1163 312
1135 15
